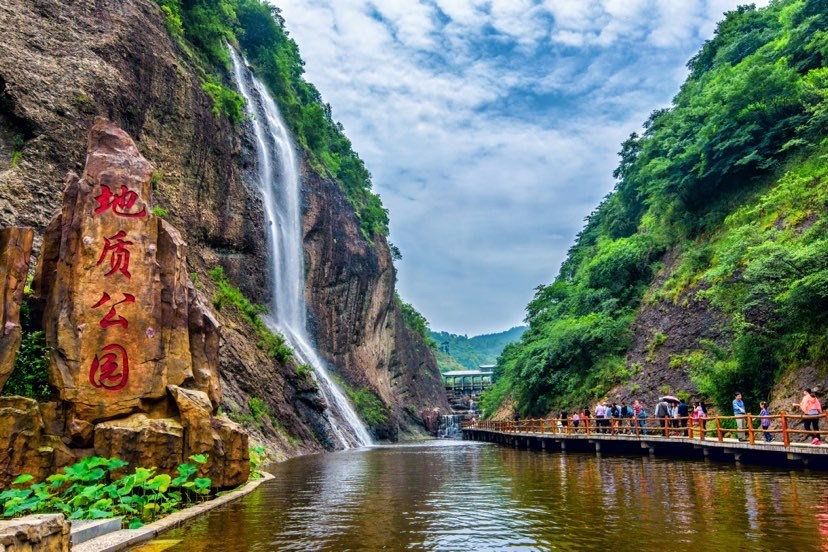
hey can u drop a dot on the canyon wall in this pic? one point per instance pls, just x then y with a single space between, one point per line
64 63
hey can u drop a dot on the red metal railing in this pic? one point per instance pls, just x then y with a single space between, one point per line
715 427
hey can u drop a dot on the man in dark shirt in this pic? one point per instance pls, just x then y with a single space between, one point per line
683 413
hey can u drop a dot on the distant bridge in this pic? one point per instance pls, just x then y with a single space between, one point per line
660 437
468 382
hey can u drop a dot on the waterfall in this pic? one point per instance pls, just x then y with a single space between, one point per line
278 177
449 426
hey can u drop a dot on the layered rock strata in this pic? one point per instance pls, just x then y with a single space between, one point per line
15 251
134 349
61 64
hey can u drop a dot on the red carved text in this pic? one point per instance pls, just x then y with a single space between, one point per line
111 370
121 204
116 246
112 318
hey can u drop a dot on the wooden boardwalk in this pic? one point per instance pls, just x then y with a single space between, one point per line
619 439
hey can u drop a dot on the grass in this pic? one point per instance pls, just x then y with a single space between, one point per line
160 212
368 405
271 342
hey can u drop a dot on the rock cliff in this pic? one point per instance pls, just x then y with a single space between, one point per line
134 349
357 321
62 64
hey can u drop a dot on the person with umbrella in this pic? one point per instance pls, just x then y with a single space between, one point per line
663 412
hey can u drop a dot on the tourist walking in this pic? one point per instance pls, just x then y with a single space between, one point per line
810 406
703 414
576 421
600 413
683 411
765 421
739 410
615 418
564 420
663 416
639 414
700 414
627 414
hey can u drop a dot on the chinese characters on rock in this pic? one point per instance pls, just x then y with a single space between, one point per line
110 367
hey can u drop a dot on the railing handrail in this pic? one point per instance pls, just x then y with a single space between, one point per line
668 427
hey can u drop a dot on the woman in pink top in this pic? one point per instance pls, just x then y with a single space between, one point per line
810 406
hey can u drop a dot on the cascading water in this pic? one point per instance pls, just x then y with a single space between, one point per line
279 183
449 426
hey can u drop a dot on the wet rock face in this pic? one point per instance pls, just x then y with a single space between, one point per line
15 251
64 63
356 320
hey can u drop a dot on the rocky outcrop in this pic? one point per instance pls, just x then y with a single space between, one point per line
152 89
64 63
40 533
15 251
117 293
357 322
134 349
664 330
25 444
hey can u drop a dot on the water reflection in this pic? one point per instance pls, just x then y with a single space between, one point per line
471 496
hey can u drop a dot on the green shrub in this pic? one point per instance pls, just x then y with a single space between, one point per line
172 19
258 408
88 490
226 101
17 150
258 458
369 407
271 342
30 375
160 212
415 321
656 341
304 371
492 398
155 180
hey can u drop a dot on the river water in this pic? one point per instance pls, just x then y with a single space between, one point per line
454 495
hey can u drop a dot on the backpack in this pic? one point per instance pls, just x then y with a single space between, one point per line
615 412
629 413
642 414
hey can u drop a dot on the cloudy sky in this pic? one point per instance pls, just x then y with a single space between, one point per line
492 127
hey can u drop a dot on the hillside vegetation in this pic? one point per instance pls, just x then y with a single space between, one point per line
731 184
460 352
205 27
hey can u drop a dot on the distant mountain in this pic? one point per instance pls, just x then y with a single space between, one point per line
458 352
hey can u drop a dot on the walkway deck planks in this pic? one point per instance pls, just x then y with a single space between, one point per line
795 455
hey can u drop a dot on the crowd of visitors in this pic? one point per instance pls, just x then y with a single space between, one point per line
674 414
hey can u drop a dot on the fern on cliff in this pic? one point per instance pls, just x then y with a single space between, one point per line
30 375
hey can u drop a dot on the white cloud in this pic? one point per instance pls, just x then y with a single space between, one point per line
491 126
